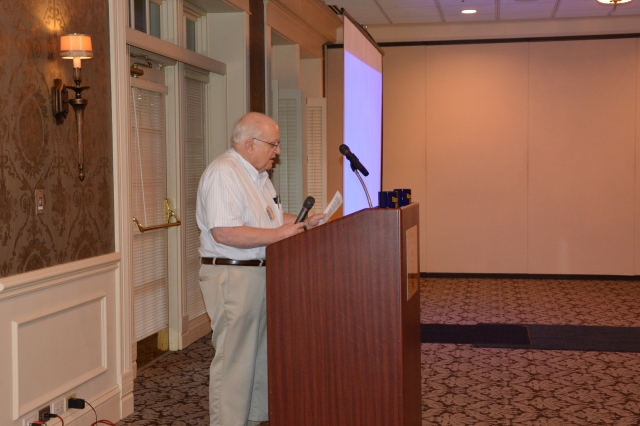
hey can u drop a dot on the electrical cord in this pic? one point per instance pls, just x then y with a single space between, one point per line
94 412
49 416
79 403
104 422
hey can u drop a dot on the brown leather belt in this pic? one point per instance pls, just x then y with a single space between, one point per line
223 261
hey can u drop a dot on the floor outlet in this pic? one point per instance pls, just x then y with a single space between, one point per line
32 418
58 406
42 412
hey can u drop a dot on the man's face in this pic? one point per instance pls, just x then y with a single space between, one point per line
266 148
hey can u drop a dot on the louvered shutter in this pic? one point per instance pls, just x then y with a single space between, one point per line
289 121
195 160
149 189
317 153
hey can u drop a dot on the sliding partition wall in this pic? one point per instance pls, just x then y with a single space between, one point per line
523 154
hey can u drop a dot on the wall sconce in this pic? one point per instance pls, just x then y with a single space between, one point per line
76 47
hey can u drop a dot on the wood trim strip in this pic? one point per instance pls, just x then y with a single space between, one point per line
508 40
31 281
530 276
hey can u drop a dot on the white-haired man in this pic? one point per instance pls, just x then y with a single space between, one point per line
238 214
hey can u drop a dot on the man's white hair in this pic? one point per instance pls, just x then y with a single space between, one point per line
249 126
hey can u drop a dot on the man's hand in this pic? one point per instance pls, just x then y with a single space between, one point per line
288 230
314 219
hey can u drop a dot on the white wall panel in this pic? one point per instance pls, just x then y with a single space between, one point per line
476 147
59 332
63 346
404 132
582 157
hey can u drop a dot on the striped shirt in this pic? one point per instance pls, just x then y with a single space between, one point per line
232 193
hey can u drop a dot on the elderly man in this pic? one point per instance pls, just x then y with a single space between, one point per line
238 214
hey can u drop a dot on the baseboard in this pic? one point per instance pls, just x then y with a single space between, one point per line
126 393
531 276
107 407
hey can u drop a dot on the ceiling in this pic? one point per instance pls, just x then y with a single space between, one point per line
384 12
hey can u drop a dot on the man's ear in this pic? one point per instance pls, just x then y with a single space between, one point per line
248 146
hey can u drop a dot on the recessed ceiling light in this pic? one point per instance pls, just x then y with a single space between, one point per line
469 11
613 2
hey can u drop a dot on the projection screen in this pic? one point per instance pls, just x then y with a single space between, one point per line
362 115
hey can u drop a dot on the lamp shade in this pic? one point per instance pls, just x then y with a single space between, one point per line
613 2
76 47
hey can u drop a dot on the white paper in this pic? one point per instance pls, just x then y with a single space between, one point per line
335 203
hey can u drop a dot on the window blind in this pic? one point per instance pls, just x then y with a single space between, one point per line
149 174
289 121
316 153
195 163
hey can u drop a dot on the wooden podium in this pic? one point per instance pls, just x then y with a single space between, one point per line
343 323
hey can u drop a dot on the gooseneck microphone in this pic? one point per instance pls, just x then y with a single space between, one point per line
306 206
355 163
356 166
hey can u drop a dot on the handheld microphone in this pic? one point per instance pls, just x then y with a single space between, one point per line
306 206
355 163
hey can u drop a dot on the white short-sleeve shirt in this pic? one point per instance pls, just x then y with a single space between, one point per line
232 193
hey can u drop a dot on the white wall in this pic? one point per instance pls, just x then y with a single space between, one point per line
312 77
229 33
582 156
522 155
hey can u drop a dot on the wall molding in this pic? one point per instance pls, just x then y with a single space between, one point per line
29 282
178 53
120 106
309 24
500 40
21 408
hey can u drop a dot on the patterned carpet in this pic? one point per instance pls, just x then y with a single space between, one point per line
174 389
461 384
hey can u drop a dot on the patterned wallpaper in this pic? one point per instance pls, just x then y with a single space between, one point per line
36 153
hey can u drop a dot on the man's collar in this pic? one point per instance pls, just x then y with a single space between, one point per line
253 173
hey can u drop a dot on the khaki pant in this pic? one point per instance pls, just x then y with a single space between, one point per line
235 301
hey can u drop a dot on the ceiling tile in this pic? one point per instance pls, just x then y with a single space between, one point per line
413 15
541 9
367 15
470 18
481 10
467 4
630 9
581 9
401 12
509 15
406 3
418 19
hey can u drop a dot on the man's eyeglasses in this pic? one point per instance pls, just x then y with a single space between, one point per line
276 144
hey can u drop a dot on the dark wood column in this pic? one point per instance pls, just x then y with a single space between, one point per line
257 84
